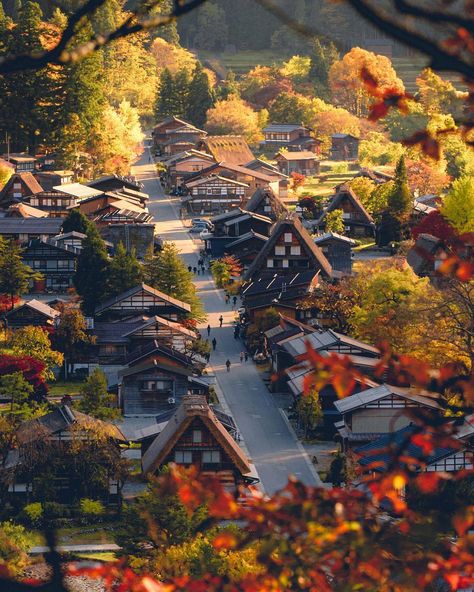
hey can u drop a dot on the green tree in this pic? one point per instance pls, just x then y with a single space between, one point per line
34 342
124 271
212 30
165 98
14 274
400 200
95 399
75 221
92 271
167 272
363 188
335 221
168 32
159 519
201 97
323 56
458 205
181 98
22 406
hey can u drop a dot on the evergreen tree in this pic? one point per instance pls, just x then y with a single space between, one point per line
165 100
95 399
400 199
90 279
14 274
201 97
125 271
84 93
322 58
167 32
181 98
75 221
168 273
29 99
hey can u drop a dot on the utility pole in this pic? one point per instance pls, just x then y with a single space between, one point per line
7 142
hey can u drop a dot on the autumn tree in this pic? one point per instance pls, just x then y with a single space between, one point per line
437 95
167 272
35 342
435 224
458 205
95 399
334 221
5 174
309 411
70 336
363 188
425 178
377 150
234 116
335 302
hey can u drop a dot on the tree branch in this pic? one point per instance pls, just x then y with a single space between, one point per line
434 16
61 55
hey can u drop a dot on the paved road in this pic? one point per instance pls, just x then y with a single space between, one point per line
270 441
86 548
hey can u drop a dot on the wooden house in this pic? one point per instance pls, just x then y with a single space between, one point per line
290 249
228 149
70 239
56 263
376 456
280 292
115 340
22 162
50 179
246 247
18 188
337 250
115 183
291 136
24 210
302 162
139 237
266 203
173 135
378 411
153 386
253 179
57 430
32 312
357 220
142 300
183 165
344 147
24 230
194 436
54 202
213 194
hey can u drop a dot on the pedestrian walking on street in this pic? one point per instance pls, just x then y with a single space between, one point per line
208 330
228 365
221 320
203 269
241 357
194 270
234 300
246 356
198 270
227 298
214 343
236 332
190 269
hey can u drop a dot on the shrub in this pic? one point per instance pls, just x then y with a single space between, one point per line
33 513
15 542
340 168
90 507
55 510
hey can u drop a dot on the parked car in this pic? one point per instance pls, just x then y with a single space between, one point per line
206 223
198 228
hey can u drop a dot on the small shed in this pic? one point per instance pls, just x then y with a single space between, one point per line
344 147
303 162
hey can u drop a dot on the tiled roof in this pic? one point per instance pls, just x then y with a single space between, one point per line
30 225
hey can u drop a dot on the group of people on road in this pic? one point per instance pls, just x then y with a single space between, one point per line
234 300
243 354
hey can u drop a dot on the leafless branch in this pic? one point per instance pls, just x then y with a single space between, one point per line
434 16
60 54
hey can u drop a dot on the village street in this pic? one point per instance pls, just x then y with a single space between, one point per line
270 441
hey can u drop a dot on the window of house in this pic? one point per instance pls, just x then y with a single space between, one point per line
183 457
279 250
17 186
63 264
211 456
295 250
346 215
285 262
288 237
17 194
197 436
269 262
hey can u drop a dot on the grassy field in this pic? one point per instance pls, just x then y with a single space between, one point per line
80 535
60 388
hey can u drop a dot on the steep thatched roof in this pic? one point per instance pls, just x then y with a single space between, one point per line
231 149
